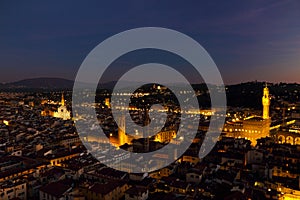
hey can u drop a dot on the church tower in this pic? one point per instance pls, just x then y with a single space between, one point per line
62 112
121 130
266 103
62 100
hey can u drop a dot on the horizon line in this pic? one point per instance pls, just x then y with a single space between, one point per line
234 83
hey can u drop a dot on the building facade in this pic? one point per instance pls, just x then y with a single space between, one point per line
253 127
62 111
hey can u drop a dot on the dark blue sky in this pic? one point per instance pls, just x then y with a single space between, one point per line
248 40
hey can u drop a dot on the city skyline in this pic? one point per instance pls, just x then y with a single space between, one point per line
255 157
248 41
150 100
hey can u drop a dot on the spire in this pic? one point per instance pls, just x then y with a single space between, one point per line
62 100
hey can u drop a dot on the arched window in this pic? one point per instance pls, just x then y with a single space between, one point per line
290 140
297 141
281 139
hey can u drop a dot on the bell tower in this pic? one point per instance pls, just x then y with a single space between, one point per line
62 100
266 102
121 130
62 111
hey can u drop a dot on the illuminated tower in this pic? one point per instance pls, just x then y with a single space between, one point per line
107 103
62 111
62 100
121 131
266 103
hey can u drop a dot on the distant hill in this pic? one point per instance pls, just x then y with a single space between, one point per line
249 94
40 83
240 95
59 83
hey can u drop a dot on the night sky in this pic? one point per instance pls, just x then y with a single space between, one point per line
248 40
